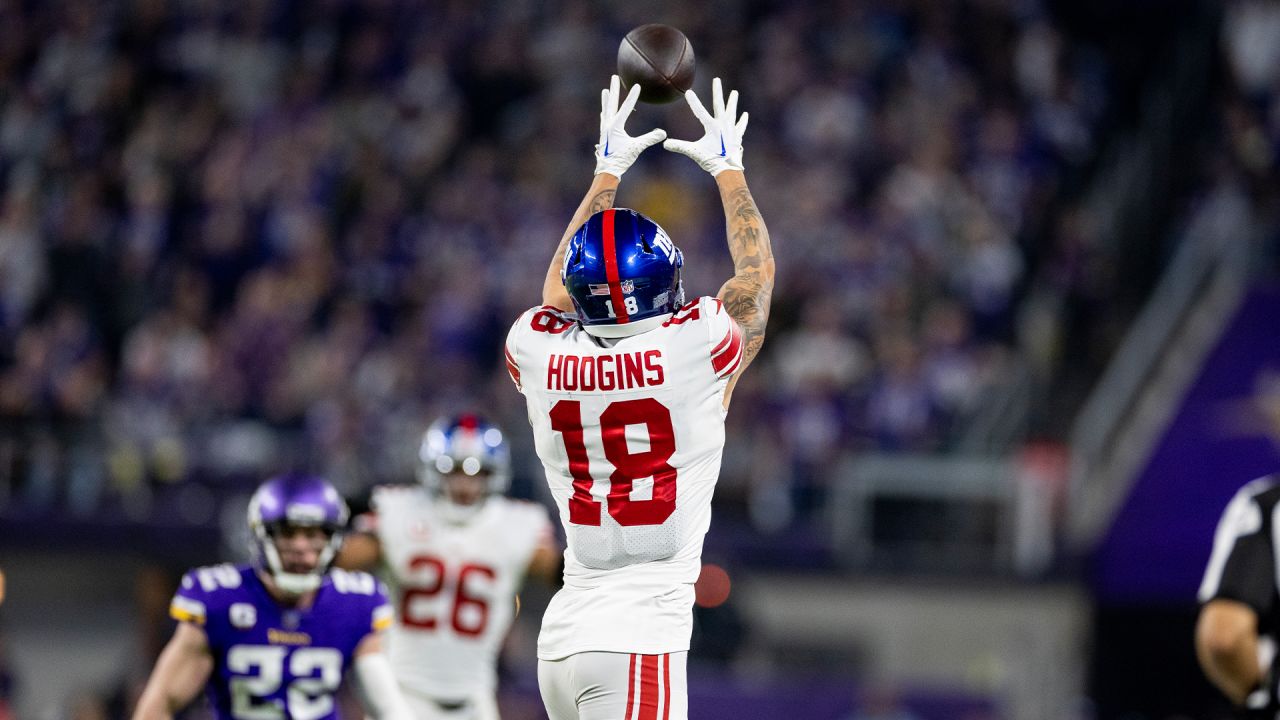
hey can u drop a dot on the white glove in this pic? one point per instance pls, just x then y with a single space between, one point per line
721 148
617 150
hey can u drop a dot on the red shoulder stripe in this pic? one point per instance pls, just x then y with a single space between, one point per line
729 351
728 338
513 368
733 366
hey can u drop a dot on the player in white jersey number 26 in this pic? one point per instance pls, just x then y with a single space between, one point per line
627 387
454 550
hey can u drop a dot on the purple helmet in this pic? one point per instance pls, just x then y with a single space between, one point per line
623 273
301 501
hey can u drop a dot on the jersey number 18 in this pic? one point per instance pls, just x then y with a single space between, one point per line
629 466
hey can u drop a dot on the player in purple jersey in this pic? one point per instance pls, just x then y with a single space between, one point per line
275 638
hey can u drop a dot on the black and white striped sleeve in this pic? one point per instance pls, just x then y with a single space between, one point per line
1243 564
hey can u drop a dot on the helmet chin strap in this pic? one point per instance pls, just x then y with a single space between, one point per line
295 583
298 583
627 330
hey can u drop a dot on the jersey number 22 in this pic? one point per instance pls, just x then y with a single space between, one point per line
259 673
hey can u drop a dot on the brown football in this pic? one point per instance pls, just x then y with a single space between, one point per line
659 59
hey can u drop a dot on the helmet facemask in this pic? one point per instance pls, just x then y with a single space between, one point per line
465 461
293 504
296 582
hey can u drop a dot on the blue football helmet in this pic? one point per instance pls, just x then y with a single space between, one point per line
466 444
296 500
623 273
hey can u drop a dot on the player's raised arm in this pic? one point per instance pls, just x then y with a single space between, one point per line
615 152
748 293
599 197
179 675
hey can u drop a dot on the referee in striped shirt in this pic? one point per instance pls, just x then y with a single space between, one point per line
1239 607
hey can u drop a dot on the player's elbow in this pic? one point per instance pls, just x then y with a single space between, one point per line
1214 654
765 296
1218 646
1224 632
767 268
1226 647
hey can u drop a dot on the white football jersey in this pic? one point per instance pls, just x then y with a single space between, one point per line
630 433
453 585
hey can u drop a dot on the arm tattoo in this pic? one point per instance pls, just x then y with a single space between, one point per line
553 292
602 200
747 295
593 204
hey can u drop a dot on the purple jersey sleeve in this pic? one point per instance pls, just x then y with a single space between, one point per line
203 587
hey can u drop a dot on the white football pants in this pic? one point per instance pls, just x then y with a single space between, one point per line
615 686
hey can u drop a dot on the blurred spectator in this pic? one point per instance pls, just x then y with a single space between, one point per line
239 236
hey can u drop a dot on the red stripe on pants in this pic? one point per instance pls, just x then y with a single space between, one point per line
666 686
648 687
631 687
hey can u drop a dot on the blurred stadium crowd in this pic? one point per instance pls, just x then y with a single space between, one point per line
238 235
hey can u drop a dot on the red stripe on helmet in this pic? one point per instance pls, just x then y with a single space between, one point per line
611 269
